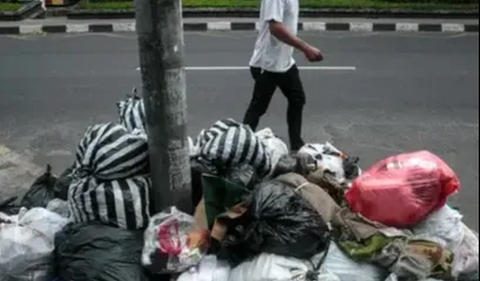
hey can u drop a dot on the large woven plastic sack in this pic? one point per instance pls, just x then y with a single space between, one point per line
27 245
209 269
445 227
269 267
109 152
402 190
173 243
122 203
274 146
87 252
229 144
347 269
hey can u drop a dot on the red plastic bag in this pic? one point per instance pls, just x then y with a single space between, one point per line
402 190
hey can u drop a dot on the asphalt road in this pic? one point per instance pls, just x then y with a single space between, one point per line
408 92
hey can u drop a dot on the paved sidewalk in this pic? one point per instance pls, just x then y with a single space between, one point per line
64 25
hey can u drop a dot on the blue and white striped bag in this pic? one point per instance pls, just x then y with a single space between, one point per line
132 113
108 151
121 203
230 144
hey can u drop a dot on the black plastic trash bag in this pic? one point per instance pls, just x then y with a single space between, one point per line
87 252
9 207
300 163
41 191
63 183
278 221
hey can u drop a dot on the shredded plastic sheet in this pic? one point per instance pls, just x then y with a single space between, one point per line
28 244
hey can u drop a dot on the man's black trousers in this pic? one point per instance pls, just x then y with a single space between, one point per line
291 86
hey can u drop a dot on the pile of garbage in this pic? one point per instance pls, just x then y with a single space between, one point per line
261 214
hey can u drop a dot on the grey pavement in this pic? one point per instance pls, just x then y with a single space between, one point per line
64 21
408 92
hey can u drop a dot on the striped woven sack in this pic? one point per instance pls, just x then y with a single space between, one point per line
108 151
132 113
218 128
236 146
121 203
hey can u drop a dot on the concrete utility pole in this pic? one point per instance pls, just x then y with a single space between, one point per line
160 40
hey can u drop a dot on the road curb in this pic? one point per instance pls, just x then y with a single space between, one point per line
246 26
304 12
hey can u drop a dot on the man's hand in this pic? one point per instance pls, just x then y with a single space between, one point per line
284 35
312 54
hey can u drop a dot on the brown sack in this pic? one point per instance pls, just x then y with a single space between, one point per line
200 215
319 199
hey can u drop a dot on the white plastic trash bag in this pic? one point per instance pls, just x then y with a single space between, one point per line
269 267
327 156
26 246
59 206
347 269
445 227
274 146
393 277
209 269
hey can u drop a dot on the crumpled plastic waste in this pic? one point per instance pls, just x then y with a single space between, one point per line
27 245
446 228
347 269
274 146
173 242
209 269
59 206
330 158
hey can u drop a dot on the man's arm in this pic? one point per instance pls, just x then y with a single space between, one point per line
283 34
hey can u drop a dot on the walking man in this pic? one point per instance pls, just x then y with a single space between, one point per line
272 65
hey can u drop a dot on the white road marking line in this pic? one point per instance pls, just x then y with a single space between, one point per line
214 68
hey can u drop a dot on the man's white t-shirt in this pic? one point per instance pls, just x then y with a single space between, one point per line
270 53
